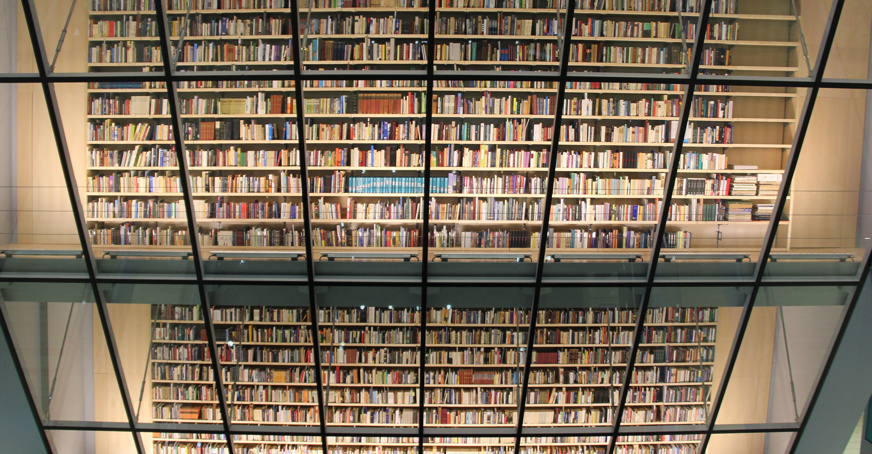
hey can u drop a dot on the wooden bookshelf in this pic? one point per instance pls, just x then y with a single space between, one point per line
371 28
474 377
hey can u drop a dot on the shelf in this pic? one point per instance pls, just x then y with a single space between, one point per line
453 116
452 10
445 36
552 91
232 168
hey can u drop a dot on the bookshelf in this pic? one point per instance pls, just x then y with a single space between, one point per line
371 359
490 140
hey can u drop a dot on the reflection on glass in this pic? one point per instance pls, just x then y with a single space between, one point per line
567 445
74 442
64 355
745 442
182 377
581 348
611 165
365 445
672 379
241 142
35 208
187 442
480 36
366 161
251 444
370 360
730 168
377 37
475 358
490 157
798 325
266 359
678 443
469 445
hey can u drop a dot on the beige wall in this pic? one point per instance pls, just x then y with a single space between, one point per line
45 216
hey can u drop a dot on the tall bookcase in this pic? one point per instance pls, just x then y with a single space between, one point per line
490 140
371 360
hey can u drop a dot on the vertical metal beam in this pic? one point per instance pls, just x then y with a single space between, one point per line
307 220
185 182
660 230
778 210
50 96
546 214
425 212
44 376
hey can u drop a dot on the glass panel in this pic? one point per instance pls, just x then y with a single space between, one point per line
469 445
565 445
673 443
781 355
340 35
763 38
35 208
744 442
615 142
117 37
674 371
729 172
63 351
120 145
365 156
257 444
75 442
366 445
490 159
828 198
17 58
185 442
133 192
583 339
264 341
230 36
855 443
478 36
242 151
849 58
370 355
476 343
162 345
685 346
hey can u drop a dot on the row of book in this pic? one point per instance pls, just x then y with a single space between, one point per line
260 104
688 6
369 315
439 85
133 105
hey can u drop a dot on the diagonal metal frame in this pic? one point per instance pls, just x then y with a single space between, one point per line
48 89
187 193
307 226
772 230
22 378
569 16
430 76
662 220
425 225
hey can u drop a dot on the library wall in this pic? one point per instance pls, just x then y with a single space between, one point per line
827 177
